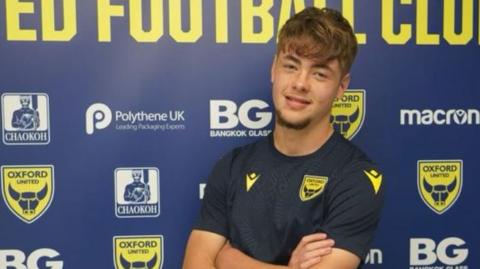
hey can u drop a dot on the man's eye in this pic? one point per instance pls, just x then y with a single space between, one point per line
289 66
319 75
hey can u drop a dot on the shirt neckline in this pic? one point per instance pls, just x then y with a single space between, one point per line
323 150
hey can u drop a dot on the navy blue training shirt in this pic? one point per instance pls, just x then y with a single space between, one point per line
264 202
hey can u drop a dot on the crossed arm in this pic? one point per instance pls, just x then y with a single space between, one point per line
206 250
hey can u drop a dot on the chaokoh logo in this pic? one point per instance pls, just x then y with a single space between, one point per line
348 113
138 252
25 119
28 190
137 192
439 183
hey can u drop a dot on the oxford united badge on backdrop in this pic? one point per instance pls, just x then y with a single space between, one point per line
348 113
439 183
138 252
137 192
28 190
312 186
25 119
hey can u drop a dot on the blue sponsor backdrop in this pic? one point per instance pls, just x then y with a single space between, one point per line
418 60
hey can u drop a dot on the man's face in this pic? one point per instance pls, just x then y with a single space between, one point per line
304 90
25 101
137 175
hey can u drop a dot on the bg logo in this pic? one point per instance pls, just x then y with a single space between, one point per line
15 259
137 192
28 190
25 118
348 113
98 116
138 252
424 251
251 115
440 183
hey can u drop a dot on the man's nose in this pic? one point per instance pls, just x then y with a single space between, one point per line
301 81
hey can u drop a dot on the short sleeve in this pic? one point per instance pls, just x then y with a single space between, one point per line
213 212
354 203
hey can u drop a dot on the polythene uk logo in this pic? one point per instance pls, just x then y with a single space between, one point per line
138 252
440 183
28 190
348 113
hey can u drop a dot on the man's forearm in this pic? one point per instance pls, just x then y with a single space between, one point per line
198 264
202 249
231 258
195 259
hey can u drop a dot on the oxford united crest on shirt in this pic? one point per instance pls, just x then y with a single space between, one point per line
138 252
137 192
348 113
28 190
312 186
25 119
440 183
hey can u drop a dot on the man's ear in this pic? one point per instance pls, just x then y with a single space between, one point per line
343 85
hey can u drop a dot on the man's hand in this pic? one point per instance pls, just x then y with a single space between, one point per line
310 251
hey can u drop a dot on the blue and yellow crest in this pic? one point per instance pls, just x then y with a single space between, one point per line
312 186
440 183
348 113
28 190
138 252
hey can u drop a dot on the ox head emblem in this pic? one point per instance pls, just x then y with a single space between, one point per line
138 264
439 183
312 186
342 123
348 113
28 201
28 190
138 251
439 192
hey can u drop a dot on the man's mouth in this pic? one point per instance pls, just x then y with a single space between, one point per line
296 102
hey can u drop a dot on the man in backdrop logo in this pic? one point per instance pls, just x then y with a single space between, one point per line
45 258
226 116
439 183
138 252
137 192
450 253
348 113
25 118
28 190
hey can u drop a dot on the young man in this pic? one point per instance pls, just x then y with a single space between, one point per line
271 204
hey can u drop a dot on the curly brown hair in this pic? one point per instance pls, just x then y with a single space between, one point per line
321 34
